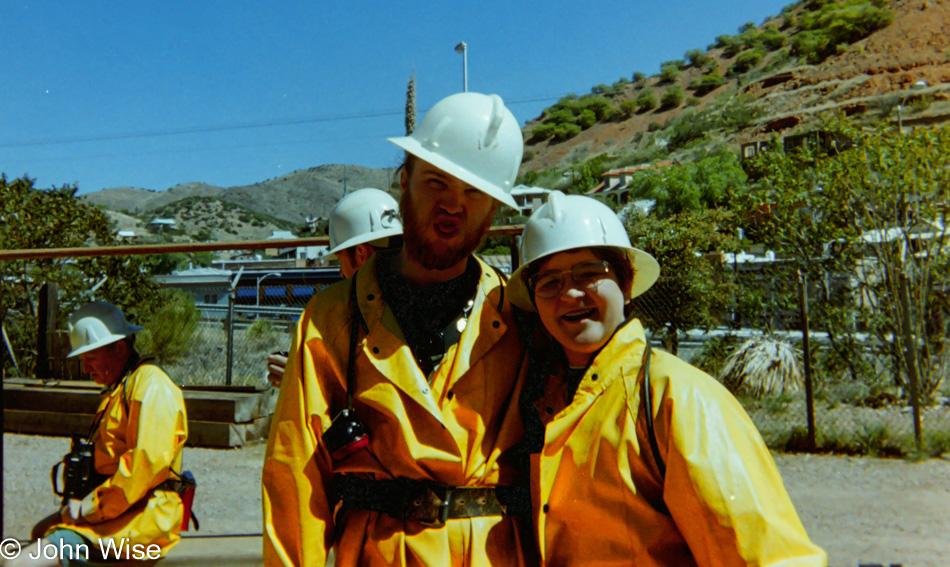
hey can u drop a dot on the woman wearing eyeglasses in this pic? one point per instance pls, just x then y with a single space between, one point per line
636 457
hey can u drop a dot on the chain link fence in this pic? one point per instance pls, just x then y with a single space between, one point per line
229 325
238 328
861 406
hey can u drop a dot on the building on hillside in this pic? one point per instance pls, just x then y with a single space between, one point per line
615 190
161 225
816 141
529 198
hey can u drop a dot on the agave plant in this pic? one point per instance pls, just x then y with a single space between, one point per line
763 366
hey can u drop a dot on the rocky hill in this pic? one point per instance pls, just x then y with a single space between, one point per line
769 71
246 212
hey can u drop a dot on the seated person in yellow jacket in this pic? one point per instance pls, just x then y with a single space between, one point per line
137 434
636 458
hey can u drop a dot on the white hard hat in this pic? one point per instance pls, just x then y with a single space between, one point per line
473 137
363 216
568 222
95 325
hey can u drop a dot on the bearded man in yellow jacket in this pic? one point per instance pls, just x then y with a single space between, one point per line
130 508
393 435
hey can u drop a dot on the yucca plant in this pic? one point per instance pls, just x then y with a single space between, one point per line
762 366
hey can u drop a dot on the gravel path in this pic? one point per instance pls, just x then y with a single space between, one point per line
862 511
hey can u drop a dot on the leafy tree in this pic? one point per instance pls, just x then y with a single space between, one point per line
877 213
708 183
167 334
31 218
694 288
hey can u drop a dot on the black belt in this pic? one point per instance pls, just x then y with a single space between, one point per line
429 503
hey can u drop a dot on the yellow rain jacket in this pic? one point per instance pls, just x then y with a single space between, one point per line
597 492
456 431
138 441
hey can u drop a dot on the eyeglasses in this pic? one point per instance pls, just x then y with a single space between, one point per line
586 275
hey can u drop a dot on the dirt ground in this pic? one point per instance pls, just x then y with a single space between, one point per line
861 511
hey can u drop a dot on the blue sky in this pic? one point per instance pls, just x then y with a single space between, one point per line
151 94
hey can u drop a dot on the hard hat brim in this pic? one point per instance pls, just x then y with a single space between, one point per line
412 146
366 238
106 340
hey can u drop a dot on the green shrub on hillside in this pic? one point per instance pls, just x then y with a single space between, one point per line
673 97
746 61
646 100
779 58
601 107
731 45
699 59
834 25
638 76
586 119
628 108
543 131
771 38
566 131
707 83
669 73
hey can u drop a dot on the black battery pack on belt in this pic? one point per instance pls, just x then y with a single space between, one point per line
346 435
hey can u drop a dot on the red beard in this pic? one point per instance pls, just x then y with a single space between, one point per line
437 254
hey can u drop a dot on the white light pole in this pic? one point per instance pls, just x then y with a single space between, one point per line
257 294
900 107
462 48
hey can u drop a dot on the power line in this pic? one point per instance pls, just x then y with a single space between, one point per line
230 127
200 129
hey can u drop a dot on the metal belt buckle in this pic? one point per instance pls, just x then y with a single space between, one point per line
443 511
